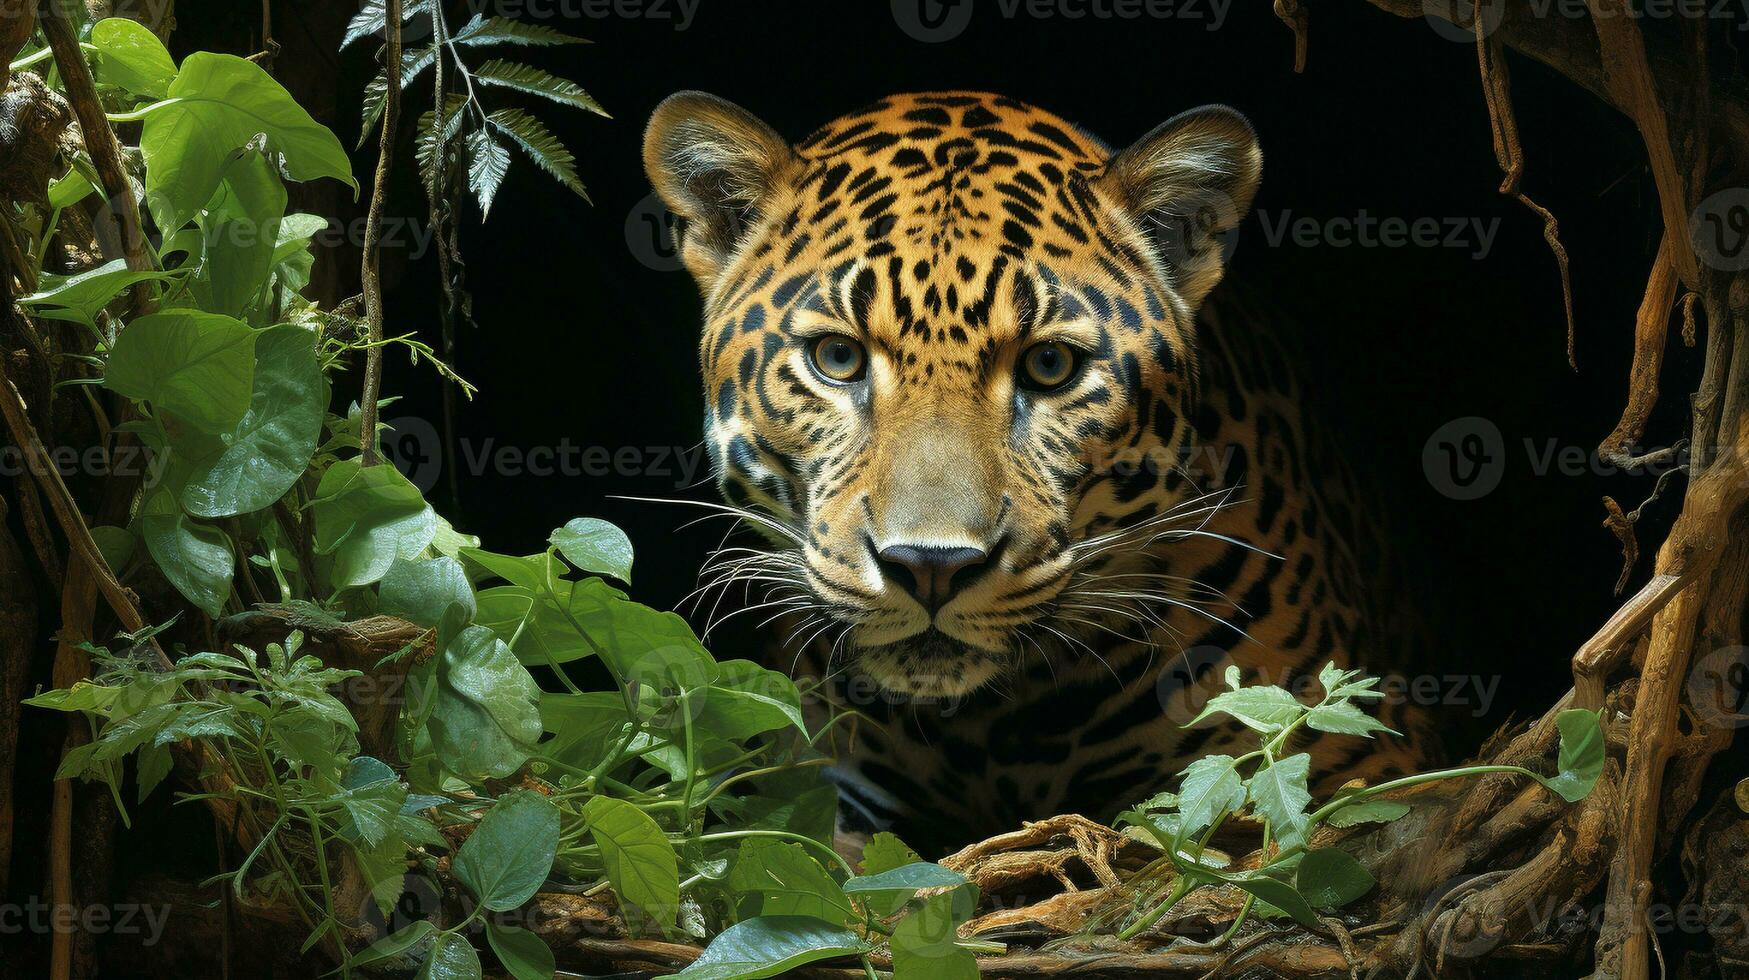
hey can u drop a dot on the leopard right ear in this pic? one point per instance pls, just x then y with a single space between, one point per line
715 165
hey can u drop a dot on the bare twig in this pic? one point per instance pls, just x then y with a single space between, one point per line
373 233
1497 93
100 142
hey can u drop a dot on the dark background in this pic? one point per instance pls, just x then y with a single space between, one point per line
580 343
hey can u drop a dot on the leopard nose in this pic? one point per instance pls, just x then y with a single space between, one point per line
931 574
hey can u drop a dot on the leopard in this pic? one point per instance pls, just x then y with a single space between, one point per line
1022 494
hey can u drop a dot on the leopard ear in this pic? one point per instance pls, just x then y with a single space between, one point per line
1188 183
714 164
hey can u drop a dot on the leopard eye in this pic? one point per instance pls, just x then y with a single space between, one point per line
1047 366
839 359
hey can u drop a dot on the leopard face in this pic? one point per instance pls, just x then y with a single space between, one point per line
949 362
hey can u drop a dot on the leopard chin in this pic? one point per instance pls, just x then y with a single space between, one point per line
930 664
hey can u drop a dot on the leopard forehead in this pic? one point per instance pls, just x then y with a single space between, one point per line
942 226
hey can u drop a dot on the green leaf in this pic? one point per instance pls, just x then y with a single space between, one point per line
534 81
503 30
783 879
769 946
79 298
748 700
507 857
923 942
216 104
366 517
1343 718
487 713
885 852
131 57
199 366
1265 709
1210 787
195 558
1367 811
155 762
488 162
595 546
1581 756
887 891
541 145
394 945
1279 792
1328 878
270 447
523 953
239 232
64 192
1279 894
423 591
452 958
582 725
640 862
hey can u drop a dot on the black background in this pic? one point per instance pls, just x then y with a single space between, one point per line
579 343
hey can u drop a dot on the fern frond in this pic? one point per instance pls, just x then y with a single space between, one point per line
502 30
426 149
534 81
413 64
373 16
488 162
541 146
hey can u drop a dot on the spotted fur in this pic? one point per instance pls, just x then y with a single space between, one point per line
1163 514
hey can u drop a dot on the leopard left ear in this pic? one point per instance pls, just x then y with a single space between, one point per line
1188 183
715 165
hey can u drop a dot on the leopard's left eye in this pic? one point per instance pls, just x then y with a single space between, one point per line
1047 366
838 358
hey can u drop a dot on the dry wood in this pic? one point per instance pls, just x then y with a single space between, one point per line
1569 46
1629 76
1651 328
121 209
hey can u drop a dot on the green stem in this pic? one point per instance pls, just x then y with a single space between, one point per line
140 113
1408 781
837 858
1180 888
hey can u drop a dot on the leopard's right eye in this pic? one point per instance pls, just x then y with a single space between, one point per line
839 359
